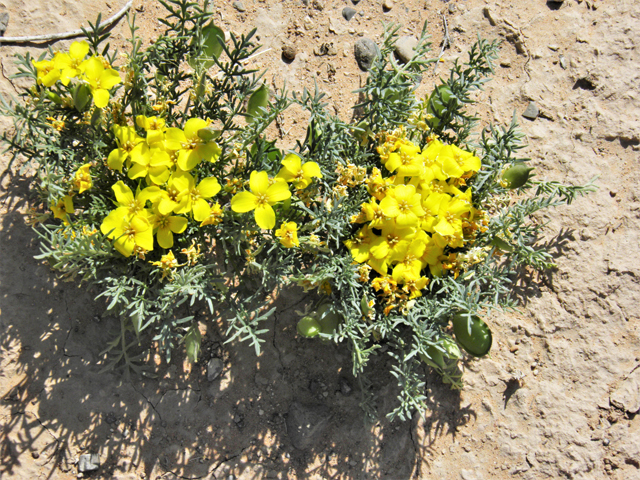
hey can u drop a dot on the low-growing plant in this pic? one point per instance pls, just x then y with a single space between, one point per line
155 179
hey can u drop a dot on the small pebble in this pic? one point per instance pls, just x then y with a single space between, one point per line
239 6
387 5
452 7
289 52
606 442
563 62
405 48
318 5
348 13
531 112
365 51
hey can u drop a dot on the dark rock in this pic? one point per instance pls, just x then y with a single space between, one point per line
365 51
348 13
239 6
289 52
214 369
345 387
355 2
531 112
305 423
4 22
89 462
404 48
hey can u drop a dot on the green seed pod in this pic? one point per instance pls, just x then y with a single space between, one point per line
516 175
81 97
433 358
308 327
438 101
54 97
208 134
451 348
259 98
478 341
501 244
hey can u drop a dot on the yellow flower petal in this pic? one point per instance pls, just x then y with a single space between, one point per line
265 217
243 202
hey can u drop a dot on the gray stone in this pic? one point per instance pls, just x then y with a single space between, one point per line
365 51
627 395
387 5
239 6
348 13
214 369
305 423
88 462
531 112
289 51
4 22
405 48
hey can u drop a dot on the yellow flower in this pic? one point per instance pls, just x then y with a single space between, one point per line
82 180
47 73
260 199
134 204
63 208
154 166
215 215
130 146
165 226
360 245
192 148
71 64
167 264
128 231
100 80
295 172
154 126
288 234
403 204
196 199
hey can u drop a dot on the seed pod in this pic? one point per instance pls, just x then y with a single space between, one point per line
501 244
308 327
208 134
328 319
438 101
433 358
81 97
54 97
258 100
477 340
516 175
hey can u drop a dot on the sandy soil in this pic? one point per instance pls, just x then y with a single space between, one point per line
293 412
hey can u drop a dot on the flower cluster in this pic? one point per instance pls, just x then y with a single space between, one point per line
266 192
95 72
414 215
163 159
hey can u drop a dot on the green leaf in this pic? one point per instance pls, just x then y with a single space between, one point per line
192 341
259 98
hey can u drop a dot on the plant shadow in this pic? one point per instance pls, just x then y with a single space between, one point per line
294 410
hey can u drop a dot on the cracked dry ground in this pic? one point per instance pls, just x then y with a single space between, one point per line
293 411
